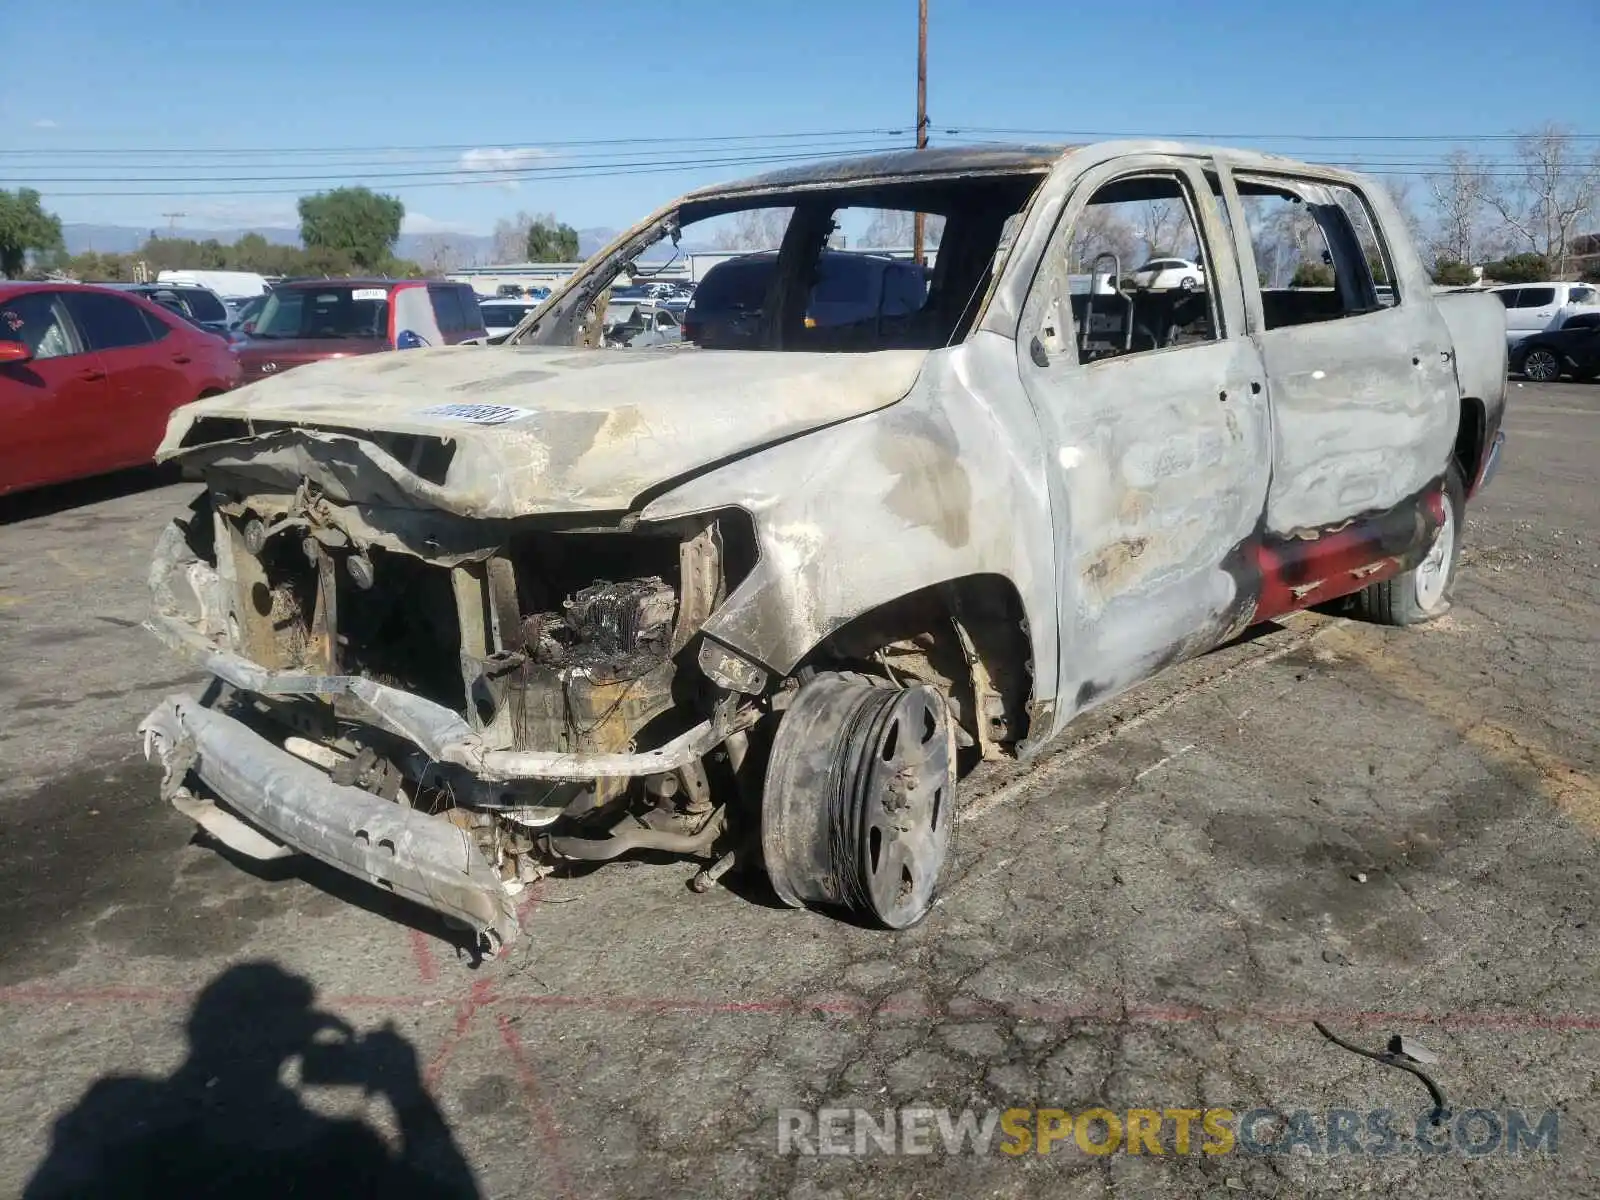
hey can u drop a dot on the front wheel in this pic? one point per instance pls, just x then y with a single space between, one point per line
1423 592
859 801
1541 365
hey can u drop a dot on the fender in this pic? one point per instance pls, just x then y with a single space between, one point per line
948 482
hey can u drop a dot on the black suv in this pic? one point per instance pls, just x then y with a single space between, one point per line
192 302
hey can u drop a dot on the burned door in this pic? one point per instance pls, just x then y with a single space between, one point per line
1365 404
1154 407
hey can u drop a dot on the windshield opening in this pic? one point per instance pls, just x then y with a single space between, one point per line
325 312
829 270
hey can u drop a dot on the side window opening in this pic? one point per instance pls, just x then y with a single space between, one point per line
1318 253
1136 270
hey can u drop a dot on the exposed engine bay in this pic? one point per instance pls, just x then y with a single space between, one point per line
556 641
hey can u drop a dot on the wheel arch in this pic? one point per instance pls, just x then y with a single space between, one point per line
1472 440
969 636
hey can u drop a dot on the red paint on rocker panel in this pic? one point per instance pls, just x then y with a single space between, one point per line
1296 573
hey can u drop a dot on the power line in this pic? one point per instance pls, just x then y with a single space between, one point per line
499 178
461 147
393 170
1108 135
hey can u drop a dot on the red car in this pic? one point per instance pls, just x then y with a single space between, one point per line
307 320
88 377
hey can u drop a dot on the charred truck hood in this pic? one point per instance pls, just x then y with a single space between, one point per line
510 433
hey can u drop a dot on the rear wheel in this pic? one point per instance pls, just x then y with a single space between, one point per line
1423 592
860 799
1541 365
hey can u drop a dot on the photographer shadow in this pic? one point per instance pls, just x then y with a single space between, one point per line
225 1122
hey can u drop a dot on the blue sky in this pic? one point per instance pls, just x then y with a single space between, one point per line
173 90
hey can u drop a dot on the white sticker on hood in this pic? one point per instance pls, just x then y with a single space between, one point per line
476 414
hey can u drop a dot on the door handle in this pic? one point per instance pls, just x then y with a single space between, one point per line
91 374
181 359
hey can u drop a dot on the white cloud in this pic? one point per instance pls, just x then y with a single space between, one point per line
44 123
501 158
416 222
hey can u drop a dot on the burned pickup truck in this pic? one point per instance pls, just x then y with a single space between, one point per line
471 612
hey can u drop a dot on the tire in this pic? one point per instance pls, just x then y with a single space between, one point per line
1540 365
1422 593
859 803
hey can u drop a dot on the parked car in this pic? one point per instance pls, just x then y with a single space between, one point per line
311 319
581 604
500 317
244 313
197 304
1164 273
230 285
636 325
1536 307
1573 350
89 376
851 287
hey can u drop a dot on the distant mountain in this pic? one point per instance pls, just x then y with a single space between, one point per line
124 239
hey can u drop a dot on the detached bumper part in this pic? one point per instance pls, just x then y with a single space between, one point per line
425 859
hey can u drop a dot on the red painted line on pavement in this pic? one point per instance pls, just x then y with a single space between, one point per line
427 968
544 1116
481 993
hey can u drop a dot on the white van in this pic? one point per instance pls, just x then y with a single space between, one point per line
230 285
1535 307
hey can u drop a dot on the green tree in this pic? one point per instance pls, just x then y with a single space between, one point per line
1312 275
552 241
1449 273
354 221
1519 268
92 266
24 226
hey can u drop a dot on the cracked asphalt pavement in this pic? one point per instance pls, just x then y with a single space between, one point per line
1389 831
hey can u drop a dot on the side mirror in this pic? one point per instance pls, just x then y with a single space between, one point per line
15 352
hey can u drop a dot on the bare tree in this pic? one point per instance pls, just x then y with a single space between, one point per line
1285 236
893 229
440 253
1161 223
1101 231
511 238
1555 192
888 227
1461 210
753 229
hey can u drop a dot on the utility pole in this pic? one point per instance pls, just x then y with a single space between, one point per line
922 116
172 220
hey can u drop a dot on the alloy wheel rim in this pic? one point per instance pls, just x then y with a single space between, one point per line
1434 572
